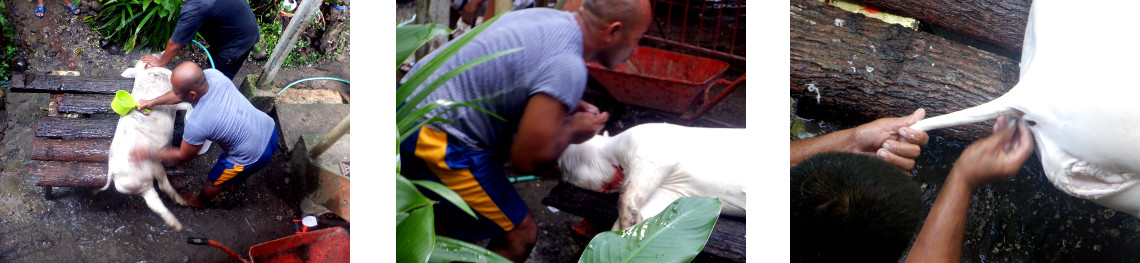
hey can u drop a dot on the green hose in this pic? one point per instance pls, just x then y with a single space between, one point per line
308 79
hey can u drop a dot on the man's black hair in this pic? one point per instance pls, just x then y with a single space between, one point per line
849 207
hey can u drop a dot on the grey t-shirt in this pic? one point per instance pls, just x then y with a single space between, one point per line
225 116
551 63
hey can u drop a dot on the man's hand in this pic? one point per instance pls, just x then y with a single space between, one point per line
139 154
152 61
997 157
144 104
584 125
584 106
891 139
468 12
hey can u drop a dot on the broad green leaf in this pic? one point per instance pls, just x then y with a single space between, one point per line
407 196
452 250
447 194
435 84
677 234
415 235
409 38
442 57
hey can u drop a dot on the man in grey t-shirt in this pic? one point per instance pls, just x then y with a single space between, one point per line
221 114
537 90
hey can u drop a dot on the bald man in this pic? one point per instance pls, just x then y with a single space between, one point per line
223 115
538 92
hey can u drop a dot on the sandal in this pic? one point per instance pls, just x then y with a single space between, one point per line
74 10
39 11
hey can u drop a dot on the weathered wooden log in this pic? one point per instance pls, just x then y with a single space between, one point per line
998 22
82 150
726 241
76 84
851 63
82 103
87 174
70 128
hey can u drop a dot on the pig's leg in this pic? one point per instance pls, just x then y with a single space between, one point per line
164 185
641 180
155 204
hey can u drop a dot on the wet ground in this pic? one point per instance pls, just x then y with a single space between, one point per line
81 226
1025 219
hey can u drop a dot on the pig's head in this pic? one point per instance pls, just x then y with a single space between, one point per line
588 165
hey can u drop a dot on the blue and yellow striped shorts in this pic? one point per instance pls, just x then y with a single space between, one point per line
477 177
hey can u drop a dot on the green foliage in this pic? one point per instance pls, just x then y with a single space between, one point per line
271 33
137 23
415 233
451 250
677 234
7 42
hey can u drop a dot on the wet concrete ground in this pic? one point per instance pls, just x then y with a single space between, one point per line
81 226
1024 219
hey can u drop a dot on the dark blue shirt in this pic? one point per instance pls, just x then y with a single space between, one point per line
228 25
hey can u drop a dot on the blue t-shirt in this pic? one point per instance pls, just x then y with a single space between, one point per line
551 63
225 116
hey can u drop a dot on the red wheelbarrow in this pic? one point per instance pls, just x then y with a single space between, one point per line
325 245
667 81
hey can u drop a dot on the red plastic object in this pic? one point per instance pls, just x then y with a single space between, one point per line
664 80
325 245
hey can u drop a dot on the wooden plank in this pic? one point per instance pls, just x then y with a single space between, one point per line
76 84
70 174
998 22
81 150
69 128
726 242
847 62
87 174
83 103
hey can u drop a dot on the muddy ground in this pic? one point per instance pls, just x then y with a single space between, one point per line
81 226
1024 219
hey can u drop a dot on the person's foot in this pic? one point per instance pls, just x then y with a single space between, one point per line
74 10
192 200
40 11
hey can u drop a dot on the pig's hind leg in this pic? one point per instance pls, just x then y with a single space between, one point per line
155 204
164 185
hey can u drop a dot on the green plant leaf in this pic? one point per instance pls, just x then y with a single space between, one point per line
447 194
677 234
435 84
406 134
452 250
440 58
409 38
415 235
408 197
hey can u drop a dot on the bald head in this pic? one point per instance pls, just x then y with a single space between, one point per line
188 82
612 28
626 11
